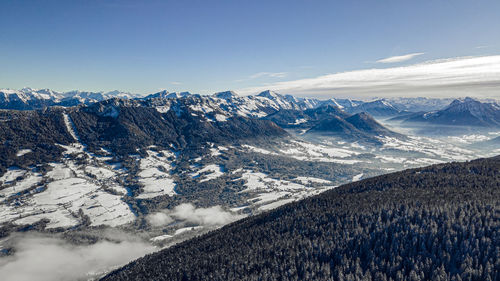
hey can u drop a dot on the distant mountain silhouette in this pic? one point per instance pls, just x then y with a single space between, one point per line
466 112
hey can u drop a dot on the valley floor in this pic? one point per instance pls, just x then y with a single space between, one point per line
157 198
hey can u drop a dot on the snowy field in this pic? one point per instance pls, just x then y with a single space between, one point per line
155 176
72 191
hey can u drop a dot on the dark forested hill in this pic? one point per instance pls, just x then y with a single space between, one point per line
436 223
38 131
329 120
292 118
122 126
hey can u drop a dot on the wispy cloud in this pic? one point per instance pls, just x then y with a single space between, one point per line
268 74
214 215
263 75
175 83
401 58
462 76
203 216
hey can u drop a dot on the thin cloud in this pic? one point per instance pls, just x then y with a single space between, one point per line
212 216
268 74
396 59
159 219
175 83
204 216
462 76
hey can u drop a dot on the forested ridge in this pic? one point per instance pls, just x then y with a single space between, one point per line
440 222
122 126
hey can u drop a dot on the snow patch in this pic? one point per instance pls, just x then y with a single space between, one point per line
215 171
308 180
154 175
357 177
22 152
298 121
11 175
70 127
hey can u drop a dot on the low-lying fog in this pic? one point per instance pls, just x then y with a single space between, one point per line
50 257
46 258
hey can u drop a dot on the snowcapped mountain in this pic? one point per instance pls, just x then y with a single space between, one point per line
380 108
227 95
264 103
167 95
347 104
332 102
393 106
28 98
278 101
73 98
270 95
462 112
419 104
229 103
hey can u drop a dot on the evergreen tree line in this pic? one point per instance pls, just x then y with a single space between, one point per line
436 223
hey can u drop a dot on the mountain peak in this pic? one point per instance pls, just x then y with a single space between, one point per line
178 95
466 104
269 94
226 95
160 94
167 95
332 102
469 99
382 102
379 107
27 90
291 98
328 108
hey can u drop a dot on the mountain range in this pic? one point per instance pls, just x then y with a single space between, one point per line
28 98
307 115
80 164
460 112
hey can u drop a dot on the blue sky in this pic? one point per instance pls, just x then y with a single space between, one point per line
209 46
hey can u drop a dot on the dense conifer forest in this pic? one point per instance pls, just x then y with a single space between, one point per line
436 223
